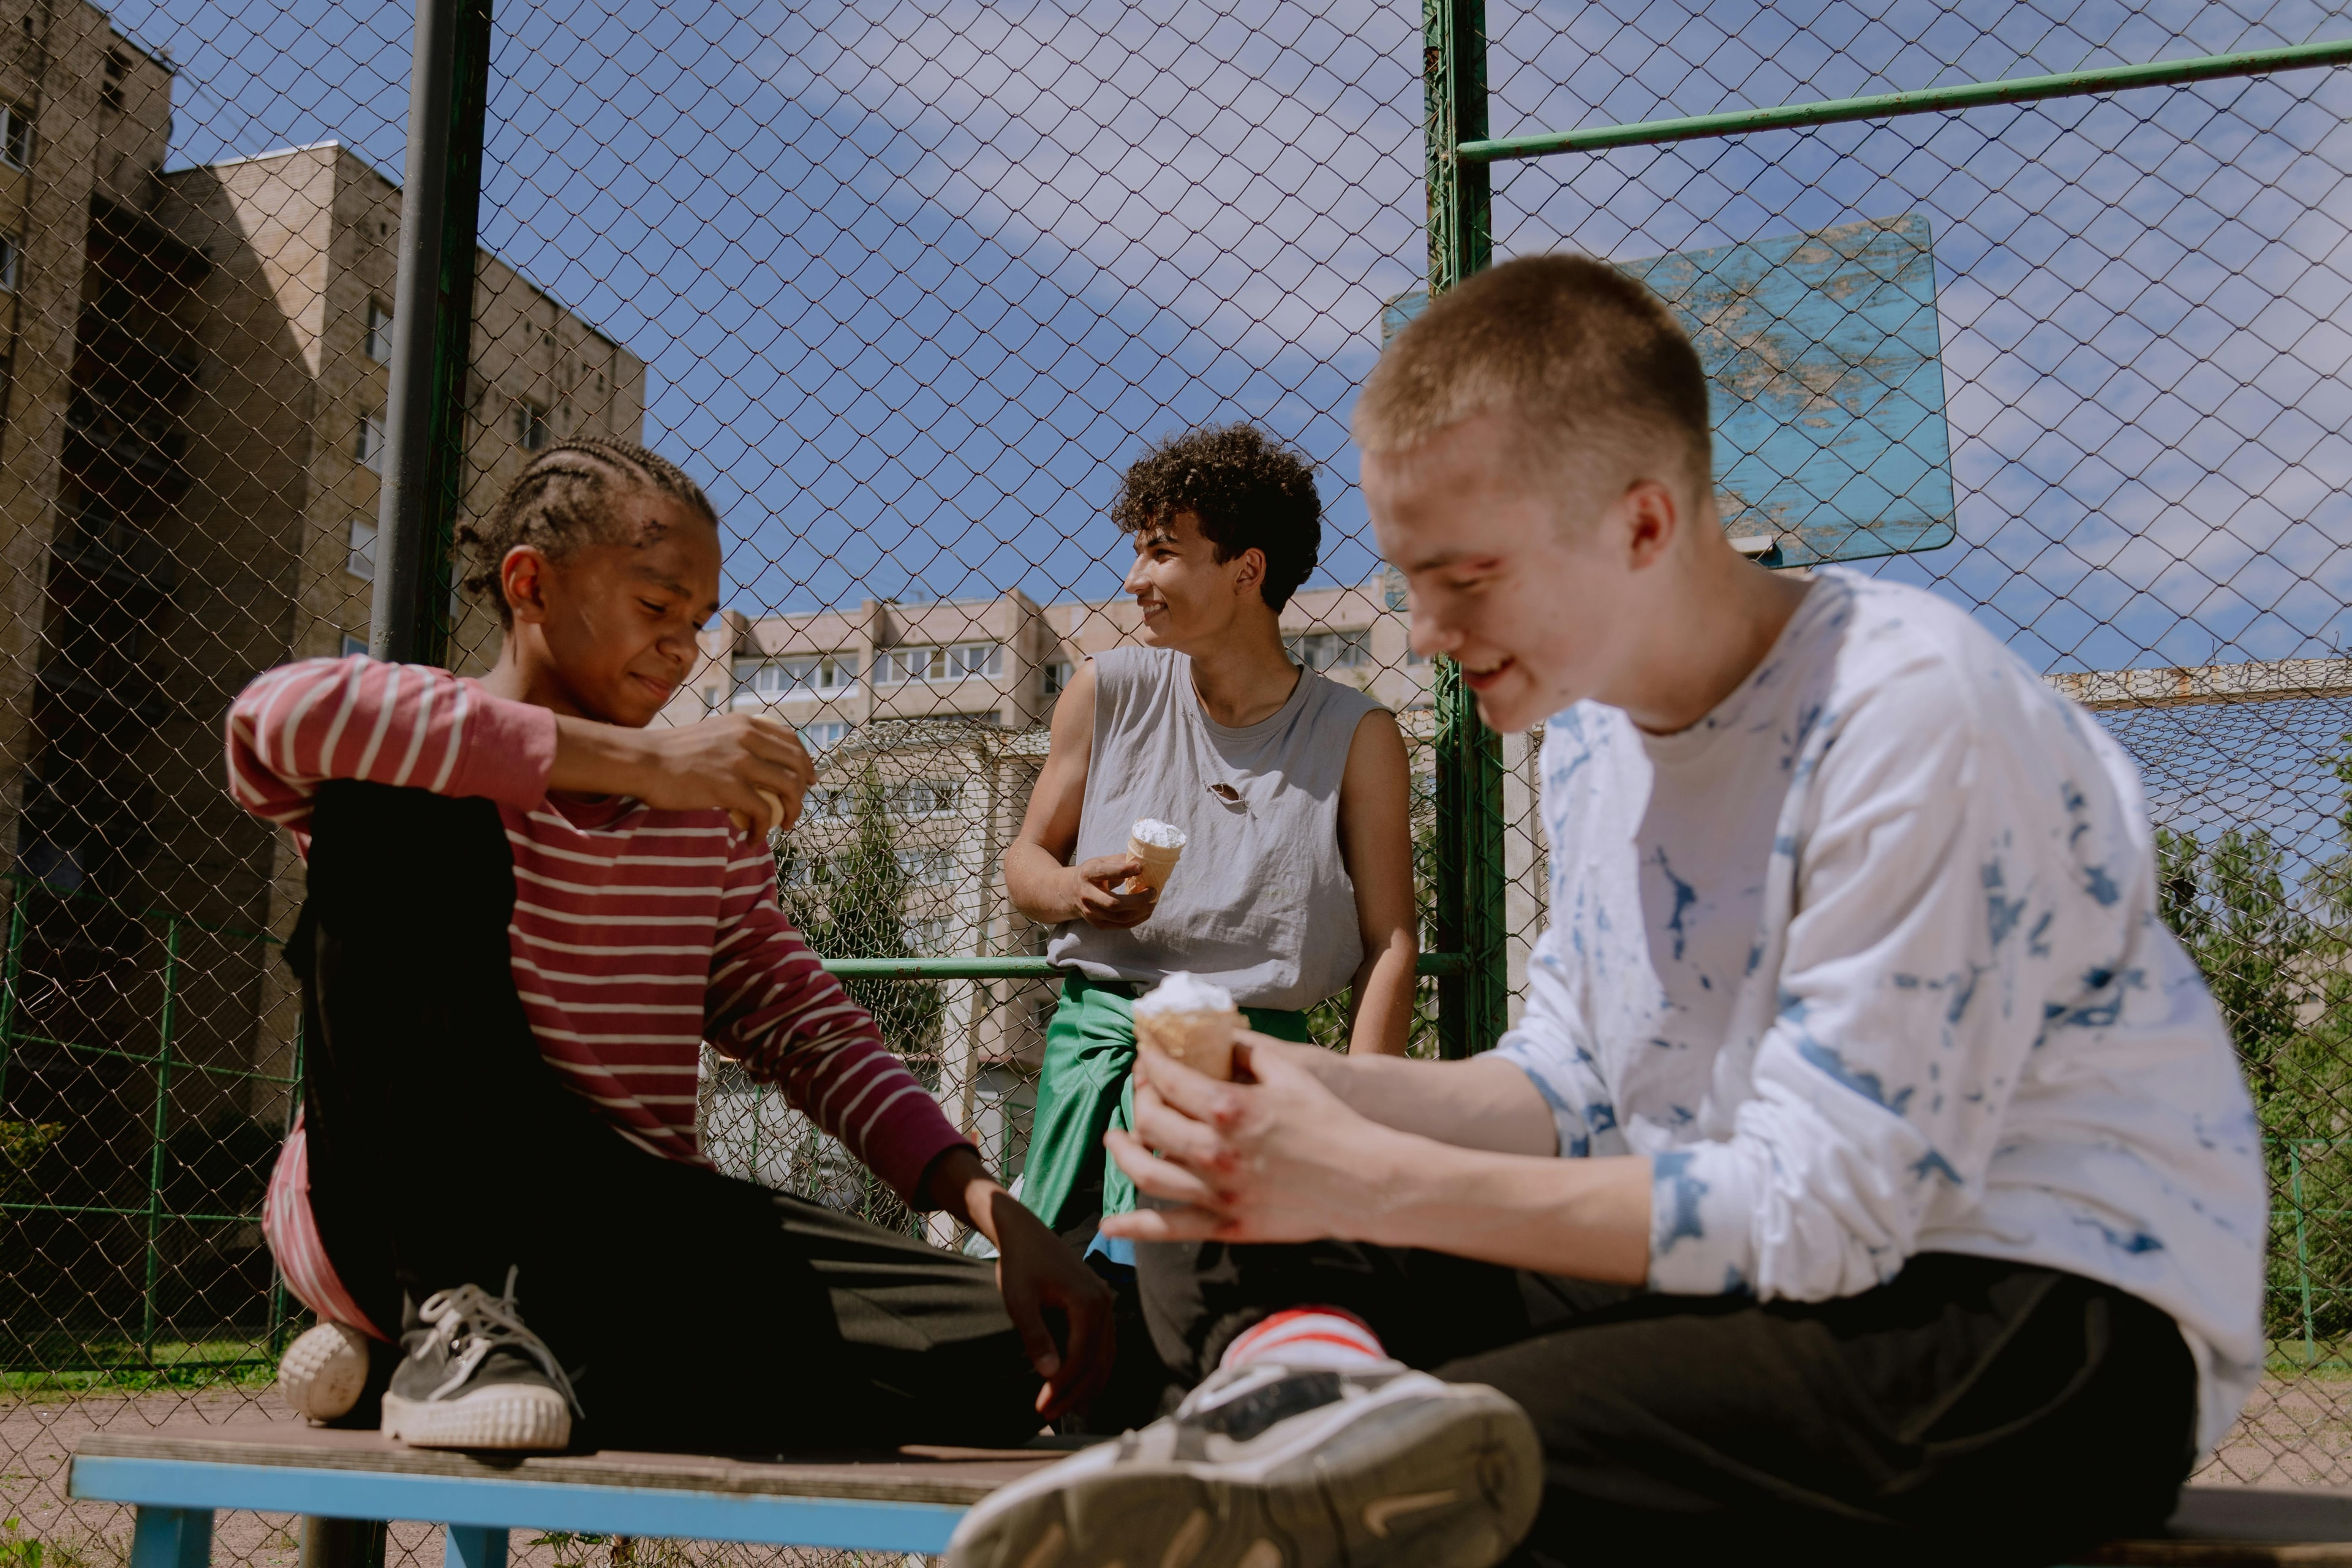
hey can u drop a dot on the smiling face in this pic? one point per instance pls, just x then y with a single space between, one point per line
1188 596
610 626
1540 589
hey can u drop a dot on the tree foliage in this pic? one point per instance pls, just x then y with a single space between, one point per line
852 903
2276 956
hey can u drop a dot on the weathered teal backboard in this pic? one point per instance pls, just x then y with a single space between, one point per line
1826 361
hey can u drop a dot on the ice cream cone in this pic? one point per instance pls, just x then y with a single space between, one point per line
1201 1041
1159 865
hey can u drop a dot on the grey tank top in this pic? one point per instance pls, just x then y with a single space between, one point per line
1260 902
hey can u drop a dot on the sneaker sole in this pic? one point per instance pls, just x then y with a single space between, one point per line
323 1372
1450 1483
502 1415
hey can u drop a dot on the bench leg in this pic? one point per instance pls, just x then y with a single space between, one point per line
471 1546
342 1542
172 1538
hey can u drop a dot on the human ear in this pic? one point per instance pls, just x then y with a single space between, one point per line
1249 568
1651 517
523 577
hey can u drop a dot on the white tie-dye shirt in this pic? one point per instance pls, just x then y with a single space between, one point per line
1868 963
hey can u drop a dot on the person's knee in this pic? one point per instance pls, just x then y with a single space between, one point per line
404 865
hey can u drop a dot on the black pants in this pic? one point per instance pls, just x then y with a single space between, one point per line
1970 1411
699 1311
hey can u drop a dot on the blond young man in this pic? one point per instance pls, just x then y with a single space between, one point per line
1871 1170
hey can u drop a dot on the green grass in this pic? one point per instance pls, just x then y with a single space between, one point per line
18 1550
58 1368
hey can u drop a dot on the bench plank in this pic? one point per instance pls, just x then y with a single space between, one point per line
956 1477
908 1500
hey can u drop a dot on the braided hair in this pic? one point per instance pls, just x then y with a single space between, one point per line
568 496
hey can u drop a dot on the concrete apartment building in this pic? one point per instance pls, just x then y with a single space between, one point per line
946 703
195 388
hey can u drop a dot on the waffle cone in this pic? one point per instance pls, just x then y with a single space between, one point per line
1159 865
1201 1041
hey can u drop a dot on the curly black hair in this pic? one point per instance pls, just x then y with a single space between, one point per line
562 499
1248 490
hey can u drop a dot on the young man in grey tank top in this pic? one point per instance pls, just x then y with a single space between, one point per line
1297 881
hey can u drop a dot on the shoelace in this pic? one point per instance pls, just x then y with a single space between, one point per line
469 1324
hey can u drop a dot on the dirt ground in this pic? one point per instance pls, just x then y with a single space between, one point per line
2295 1433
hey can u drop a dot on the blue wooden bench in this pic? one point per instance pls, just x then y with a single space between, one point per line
179 1473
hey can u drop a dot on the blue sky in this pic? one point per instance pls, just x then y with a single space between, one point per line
914 279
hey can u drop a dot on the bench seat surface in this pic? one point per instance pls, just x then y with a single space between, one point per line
957 1477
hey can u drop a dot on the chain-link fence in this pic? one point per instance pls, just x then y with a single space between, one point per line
907 285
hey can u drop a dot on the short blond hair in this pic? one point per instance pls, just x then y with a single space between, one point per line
1585 356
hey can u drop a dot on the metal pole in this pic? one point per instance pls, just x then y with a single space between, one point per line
1928 101
431 330
11 966
280 1313
162 1128
2302 1246
1473 1001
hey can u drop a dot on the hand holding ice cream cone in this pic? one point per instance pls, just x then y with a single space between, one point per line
1191 1020
1157 844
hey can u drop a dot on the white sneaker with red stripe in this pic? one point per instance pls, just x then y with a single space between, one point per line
1273 1466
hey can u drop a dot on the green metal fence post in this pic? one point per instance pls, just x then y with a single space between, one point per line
2302 1246
10 966
281 1312
1472 1006
155 1155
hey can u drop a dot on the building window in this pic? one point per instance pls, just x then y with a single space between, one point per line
772 679
924 798
960 661
1057 677
930 867
12 264
368 445
353 645
360 560
530 426
929 938
823 736
379 333
15 137
109 89
1331 650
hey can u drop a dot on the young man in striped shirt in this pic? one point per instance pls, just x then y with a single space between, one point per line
527 912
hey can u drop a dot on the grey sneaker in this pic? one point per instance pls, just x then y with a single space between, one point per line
1272 1467
475 1377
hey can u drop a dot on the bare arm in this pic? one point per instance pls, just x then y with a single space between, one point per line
1038 876
1281 1159
1483 1103
746 762
1376 845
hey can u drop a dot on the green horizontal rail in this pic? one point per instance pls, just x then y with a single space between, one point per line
1023 968
115 1211
1926 101
25 883
146 1059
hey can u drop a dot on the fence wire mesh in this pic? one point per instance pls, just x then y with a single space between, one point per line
905 286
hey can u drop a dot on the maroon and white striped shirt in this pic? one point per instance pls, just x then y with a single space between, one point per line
637 935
